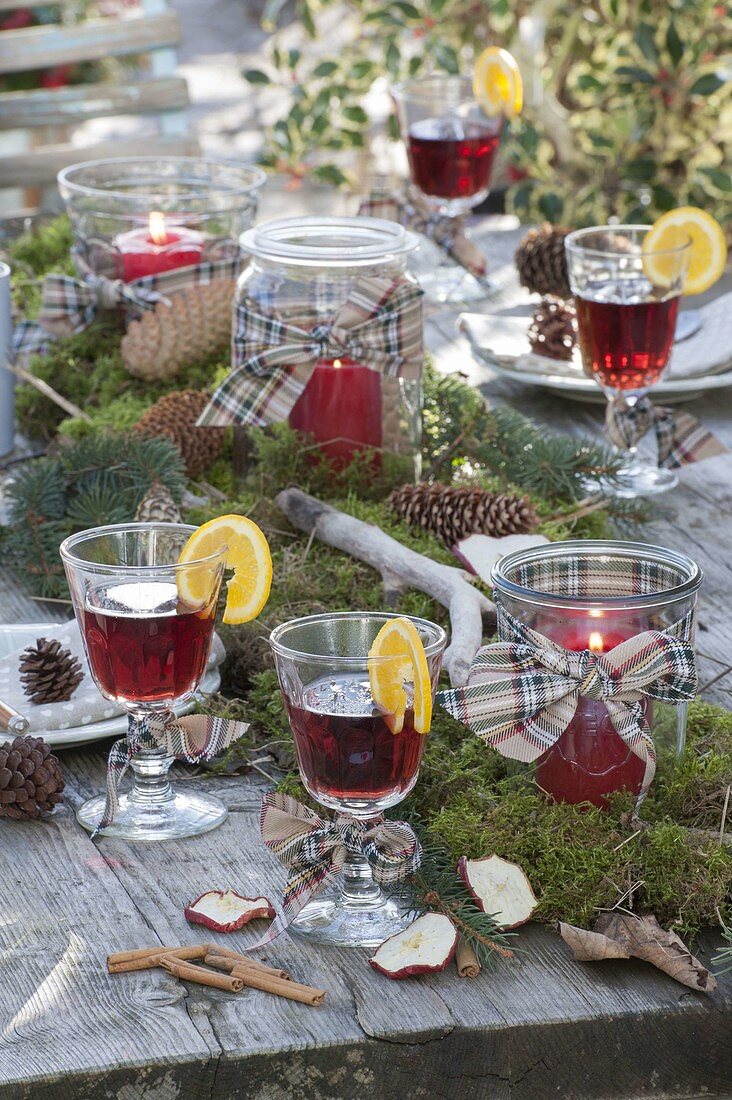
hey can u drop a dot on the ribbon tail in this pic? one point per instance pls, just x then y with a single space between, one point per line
631 726
118 762
682 439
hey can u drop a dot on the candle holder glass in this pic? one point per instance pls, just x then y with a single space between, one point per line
136 216
301 271
348 758
595 594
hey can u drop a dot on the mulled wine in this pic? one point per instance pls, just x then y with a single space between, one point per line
345 750
451 158
143 645
626 345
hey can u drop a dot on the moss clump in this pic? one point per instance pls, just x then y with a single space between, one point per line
46 247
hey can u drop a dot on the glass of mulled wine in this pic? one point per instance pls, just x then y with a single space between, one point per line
148 648
349 759
627 300
451 144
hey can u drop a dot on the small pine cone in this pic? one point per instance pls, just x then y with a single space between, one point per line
49 673
158 506
553 330
453 512
175 415
31 780
542 262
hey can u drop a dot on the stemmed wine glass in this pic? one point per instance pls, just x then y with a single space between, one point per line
147 625
348 758
451 146
627 300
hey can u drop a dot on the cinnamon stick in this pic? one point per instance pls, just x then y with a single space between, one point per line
257 979
145 958
247 960
466 960
189 973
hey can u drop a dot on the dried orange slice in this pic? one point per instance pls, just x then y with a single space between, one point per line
247 554
708 249
399 658
497 83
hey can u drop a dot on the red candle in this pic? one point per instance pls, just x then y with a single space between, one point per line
156 248
341 408
590 761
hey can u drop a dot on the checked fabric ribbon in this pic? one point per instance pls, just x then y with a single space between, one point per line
379 325
522 694
314 849
194 738
680 436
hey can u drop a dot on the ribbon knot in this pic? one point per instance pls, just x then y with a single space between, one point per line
680 437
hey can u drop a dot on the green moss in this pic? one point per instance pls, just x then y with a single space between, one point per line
44 248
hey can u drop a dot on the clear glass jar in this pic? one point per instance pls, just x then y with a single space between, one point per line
138 216
302 271
557 591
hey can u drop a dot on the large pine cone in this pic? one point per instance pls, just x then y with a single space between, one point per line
195 323
49 673
453 512
158 506
175 415
542 261
31 780
553 330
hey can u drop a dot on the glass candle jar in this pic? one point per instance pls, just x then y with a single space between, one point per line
325 275
138 216
593 595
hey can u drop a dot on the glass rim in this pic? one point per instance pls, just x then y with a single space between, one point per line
68 544
432 649
256 177
573 243
597 548
272 240
409 89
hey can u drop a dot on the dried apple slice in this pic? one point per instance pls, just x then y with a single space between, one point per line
425 947
500 888
225 910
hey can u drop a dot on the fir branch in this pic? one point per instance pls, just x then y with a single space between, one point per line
722 961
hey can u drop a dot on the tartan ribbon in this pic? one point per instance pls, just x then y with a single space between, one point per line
379 326
194 738
70 304
314 849
681 438
522 694
449 234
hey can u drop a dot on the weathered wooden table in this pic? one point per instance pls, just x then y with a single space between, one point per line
543 1027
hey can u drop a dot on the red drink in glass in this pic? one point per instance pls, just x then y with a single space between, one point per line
451 158
143 645
626 346
345 750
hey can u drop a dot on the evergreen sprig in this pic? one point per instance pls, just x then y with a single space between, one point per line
722 961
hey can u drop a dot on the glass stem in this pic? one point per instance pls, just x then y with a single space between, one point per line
150 766
628 455
359 891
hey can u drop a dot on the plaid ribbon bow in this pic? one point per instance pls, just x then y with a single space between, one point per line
680 436
521 695
194 738
379 325
447 233
314 849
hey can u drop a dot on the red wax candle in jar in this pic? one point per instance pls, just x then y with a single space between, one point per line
590 761
341 408
155 248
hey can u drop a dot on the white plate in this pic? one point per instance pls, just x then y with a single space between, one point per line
16 635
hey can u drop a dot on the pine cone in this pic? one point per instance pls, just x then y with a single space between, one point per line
553 330
542 262
158 506
196 322
175 415
452 512
49 673
31 780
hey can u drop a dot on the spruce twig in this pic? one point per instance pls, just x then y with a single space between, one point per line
722 961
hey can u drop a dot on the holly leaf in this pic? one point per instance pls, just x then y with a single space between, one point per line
707 84
674 45
256 76
325 68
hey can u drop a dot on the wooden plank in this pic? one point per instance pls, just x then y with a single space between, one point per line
44 164
93 40
76 104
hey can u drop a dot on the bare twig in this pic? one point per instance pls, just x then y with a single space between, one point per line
48 391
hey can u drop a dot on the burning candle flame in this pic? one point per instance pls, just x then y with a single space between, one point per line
336 363
596 643
158 232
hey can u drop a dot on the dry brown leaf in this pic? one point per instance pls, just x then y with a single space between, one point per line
624 935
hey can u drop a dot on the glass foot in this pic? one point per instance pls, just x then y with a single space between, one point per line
642 481
333 920
180 816
456 285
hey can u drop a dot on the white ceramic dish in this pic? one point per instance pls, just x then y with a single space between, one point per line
17 635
